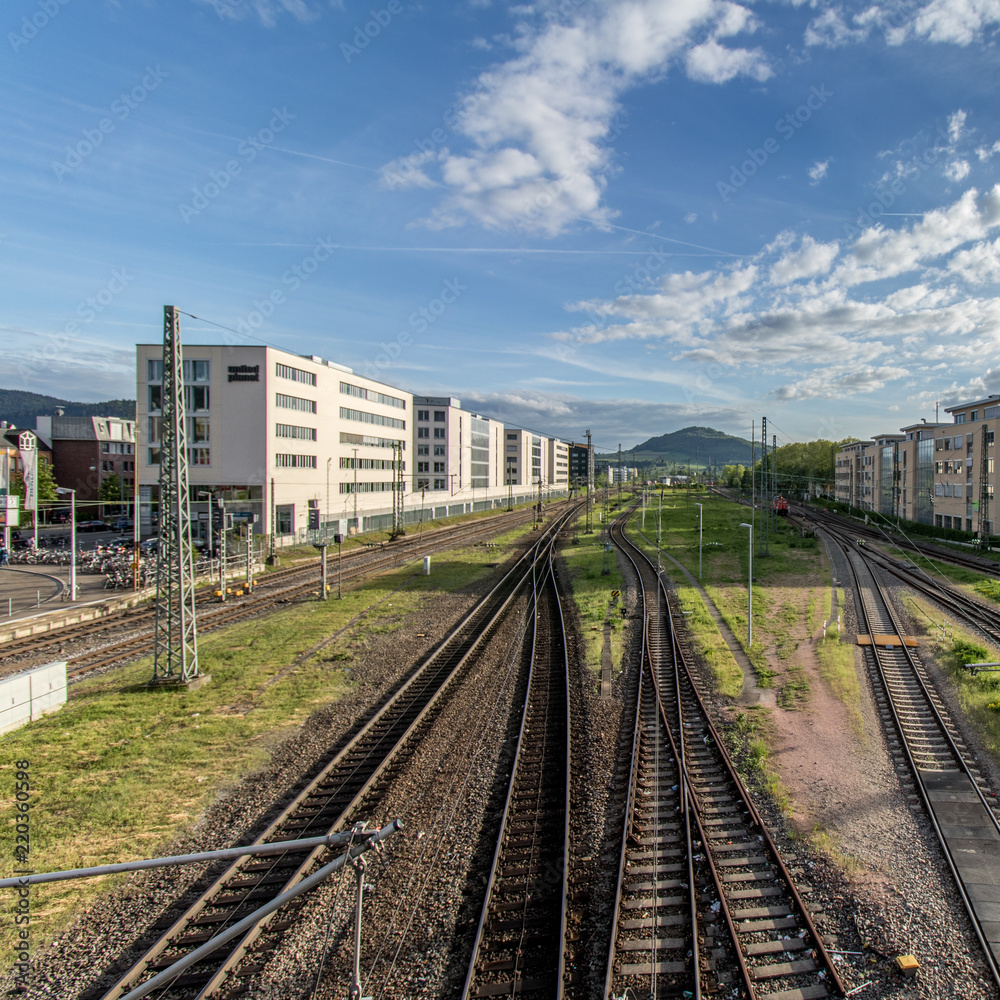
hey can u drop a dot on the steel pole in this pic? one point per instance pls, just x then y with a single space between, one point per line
743 524
700 513
72 545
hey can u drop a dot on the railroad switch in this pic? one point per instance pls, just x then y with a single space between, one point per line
907 966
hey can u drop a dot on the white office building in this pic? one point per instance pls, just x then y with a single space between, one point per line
276 435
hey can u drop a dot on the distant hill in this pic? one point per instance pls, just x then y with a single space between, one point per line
20 408
700 446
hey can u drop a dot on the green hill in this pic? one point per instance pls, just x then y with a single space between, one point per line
702 447
20 408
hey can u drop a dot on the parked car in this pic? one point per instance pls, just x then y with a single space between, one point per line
92 526
124 524
149 545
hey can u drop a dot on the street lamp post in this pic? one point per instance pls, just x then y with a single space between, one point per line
72 539
326 518
743 524
700 513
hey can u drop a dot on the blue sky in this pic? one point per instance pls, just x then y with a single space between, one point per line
630 216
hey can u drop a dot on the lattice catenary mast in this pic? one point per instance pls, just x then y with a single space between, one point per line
175 641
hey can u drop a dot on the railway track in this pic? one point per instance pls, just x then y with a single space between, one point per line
274 590
352 775
700 876
925 743
520 946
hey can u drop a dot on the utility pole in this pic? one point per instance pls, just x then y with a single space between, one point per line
984 492
589 528
753 471
357 525
274 524
175 639
619 473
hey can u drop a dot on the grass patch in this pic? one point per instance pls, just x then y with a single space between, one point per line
709 643
748 736
591 590
978 695
837 668
123 769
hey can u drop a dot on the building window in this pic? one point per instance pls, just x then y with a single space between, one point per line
295 403
974 415
958 490
372 418
439 466
195 371
372 442
284 519
959 418
295 461
294 431
439 449
937 521
371 395
423 414
423 432
512 437
423 466
200 456
439 484
423 484
154 456
154 370
423 449
155 397
199 431
439 416
295 374
439 432
196 398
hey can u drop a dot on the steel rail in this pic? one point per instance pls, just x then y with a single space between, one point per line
825 965
649 668
541 678
436 673
953 866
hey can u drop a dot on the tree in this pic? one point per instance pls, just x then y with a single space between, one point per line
111 489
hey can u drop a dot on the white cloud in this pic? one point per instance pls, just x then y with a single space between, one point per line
956 22
832 30
266 11
957 170
818 171
956 125
834 383
799 300
540 127
628 420
711 62
811 260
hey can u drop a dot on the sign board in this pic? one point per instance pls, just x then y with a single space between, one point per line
27 444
